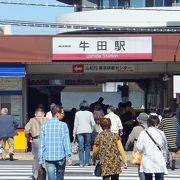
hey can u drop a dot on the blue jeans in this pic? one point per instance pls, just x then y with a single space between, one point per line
55 169
84 141
158 176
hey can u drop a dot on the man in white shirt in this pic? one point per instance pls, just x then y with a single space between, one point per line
49 114
116 124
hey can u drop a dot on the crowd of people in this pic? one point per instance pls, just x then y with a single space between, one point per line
104 129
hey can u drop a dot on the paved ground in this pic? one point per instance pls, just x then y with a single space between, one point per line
29 156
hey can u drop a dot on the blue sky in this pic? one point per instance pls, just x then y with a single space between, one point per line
32 13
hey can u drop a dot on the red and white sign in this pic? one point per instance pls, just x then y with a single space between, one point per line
78 68
102 48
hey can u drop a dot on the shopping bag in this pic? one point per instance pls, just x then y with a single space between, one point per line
74 147
41 173
97 171
136 157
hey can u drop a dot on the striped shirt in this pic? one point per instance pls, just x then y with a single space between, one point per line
54 141
34 125
169 125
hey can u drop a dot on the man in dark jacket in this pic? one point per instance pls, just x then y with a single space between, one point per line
8 127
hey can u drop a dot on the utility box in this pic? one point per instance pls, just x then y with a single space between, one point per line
20 141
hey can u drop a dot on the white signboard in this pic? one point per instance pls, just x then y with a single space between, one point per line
102 48
109 68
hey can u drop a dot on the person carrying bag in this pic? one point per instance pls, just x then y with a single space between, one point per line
153 160
110 150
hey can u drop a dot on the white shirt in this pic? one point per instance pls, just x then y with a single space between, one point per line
153 160
116 123
49 115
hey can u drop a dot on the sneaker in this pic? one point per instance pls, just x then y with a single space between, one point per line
81 165
11 156
89 164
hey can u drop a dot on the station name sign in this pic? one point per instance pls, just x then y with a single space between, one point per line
102 48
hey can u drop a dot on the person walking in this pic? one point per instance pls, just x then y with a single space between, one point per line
55 146
84 125
133 136
110 150
153 145
116 124
168 125
98 114
8 127
49 114
32 130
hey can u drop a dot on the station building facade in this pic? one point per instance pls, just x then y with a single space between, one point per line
35 69
101 42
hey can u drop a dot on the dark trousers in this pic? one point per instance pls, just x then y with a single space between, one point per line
158 176
112 177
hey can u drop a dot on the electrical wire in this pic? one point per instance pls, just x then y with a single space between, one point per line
82 6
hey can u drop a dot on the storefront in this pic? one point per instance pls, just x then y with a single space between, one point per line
11 90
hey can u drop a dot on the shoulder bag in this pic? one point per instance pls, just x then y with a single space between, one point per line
154 141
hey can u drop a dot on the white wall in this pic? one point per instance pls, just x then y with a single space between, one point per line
176 85
122 18
6 29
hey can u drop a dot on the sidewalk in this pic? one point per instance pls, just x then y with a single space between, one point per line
29 156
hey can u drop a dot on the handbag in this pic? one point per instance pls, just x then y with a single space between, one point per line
136 157
97 171
41 173
74 147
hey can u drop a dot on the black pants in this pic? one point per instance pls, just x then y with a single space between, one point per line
112 177
158 176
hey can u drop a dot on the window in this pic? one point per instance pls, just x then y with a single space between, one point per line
137 3
109 3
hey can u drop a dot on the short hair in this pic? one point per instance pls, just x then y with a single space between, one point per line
39 110
52 105
153 121
153 109
105 123
111 108
84 105
4 111
167 112
101 99
56 109
129 103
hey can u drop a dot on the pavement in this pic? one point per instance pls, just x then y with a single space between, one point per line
29 156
